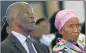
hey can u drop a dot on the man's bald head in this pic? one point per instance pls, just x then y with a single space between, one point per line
17 9
20 17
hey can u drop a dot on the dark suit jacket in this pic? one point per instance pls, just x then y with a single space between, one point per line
12 45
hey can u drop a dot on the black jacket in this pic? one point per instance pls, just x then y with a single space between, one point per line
12 45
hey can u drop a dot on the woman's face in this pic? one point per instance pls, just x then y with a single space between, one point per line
71 29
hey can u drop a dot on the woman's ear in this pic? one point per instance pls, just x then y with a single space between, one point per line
61 32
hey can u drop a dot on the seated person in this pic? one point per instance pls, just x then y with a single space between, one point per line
42 27
67 23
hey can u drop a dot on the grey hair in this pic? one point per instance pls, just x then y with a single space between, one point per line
13 10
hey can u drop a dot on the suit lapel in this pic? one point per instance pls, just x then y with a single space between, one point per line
17 44
21 48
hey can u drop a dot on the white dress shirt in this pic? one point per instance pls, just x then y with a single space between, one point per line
22 40
46 39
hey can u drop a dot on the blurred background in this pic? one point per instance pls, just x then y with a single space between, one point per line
47 8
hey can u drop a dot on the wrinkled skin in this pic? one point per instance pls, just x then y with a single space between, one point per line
71 29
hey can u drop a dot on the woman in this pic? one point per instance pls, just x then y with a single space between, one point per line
67 23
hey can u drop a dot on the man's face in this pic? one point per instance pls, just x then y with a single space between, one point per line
37 33
26 19
41 28
71 30
45 27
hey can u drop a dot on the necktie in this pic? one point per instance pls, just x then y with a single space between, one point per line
29 44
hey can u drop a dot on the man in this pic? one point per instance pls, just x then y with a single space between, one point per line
67 23
21 23
42 27
41 33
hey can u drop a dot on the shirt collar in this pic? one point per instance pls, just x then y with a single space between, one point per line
19 36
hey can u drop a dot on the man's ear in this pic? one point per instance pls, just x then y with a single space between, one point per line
14 23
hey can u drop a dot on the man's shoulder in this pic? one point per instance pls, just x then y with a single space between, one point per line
6 42
6 46
44 48
41 47
44 45
40 44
